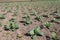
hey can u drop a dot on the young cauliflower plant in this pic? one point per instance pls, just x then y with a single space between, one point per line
11 26
33 12
2 16
34 32
38 18
47 25
54 35
27 20
16 11
7 27
38 31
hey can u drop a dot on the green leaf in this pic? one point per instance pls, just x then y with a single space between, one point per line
41 33
47 24
31 32
16 11
15 26
38 31
27 19
7 27
33 12
8 23
26 15
11 26
38 18
15 14
2 16
54 35
33 37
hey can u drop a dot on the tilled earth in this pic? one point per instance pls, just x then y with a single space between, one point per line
24 8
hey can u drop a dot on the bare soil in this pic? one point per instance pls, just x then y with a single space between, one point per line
41 8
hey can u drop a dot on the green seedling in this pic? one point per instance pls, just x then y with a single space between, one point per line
31 32
16 11
11 26
27 20
33 12
54 35
26 15
14 26
47 24
38 18
33 37
2 16
35 31
7 27
8 9
38 31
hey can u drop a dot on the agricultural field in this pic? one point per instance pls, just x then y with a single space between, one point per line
24 0
30 20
